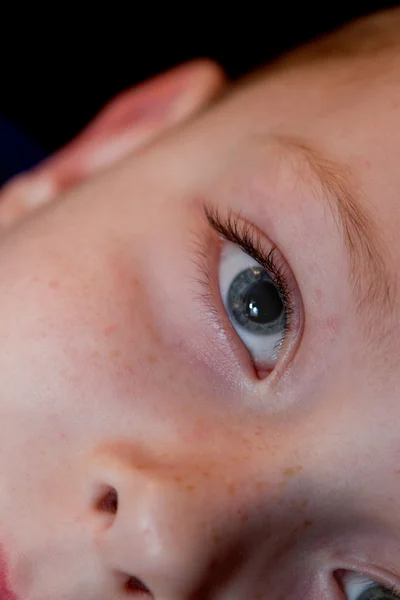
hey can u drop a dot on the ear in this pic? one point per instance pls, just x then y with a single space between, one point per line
129 121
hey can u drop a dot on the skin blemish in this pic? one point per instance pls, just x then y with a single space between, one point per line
291 471
288 473
54 284
259 431
5 591
109 329
152 360
299 506
217 539
333 325
232 489
318 296
115 353
307 524
261 485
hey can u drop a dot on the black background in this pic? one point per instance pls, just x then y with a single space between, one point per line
61 64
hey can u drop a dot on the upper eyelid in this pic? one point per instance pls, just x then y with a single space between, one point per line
231 234
245 235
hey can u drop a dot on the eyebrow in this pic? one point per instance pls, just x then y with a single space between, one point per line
370 280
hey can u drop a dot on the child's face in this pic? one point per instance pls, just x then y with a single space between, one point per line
143 432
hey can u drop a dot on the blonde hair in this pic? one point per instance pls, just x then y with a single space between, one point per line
365 37
372 38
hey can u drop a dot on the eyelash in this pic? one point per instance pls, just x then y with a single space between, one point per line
391 589
386 589
245 235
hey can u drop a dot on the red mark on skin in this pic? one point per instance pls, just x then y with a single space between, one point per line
5 592
333 325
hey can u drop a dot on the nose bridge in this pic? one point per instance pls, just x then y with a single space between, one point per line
174 525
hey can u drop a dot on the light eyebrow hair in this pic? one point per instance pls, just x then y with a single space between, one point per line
372 285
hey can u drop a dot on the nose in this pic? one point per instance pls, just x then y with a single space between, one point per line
177 531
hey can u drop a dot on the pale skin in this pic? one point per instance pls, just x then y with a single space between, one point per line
143 450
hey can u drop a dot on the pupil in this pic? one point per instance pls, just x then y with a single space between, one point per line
263 303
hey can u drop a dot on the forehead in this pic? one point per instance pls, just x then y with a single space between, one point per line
322 86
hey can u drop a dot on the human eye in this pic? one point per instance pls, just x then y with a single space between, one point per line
257 289
357 587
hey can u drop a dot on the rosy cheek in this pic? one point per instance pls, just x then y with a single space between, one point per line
5 592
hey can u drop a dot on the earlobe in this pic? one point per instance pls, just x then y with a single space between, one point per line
129 121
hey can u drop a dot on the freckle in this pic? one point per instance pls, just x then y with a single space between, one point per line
307 523
151 359
261 485
54 284
178 478
289 472
217 539
232 489
115 353
109 329
190 487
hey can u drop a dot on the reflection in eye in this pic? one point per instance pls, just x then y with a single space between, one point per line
254 303
357 587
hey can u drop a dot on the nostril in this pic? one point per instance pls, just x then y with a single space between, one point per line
108 501
135 585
